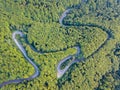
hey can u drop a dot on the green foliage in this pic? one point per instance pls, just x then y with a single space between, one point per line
39 21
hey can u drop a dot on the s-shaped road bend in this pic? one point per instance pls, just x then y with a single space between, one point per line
27 58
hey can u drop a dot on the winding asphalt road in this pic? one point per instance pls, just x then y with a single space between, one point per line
60 72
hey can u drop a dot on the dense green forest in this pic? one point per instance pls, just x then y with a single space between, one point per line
93 25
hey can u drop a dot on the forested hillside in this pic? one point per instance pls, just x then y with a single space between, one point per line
92 25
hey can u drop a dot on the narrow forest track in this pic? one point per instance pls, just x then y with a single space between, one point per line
60 72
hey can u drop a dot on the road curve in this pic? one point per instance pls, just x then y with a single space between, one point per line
60 72
27 58
63 16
